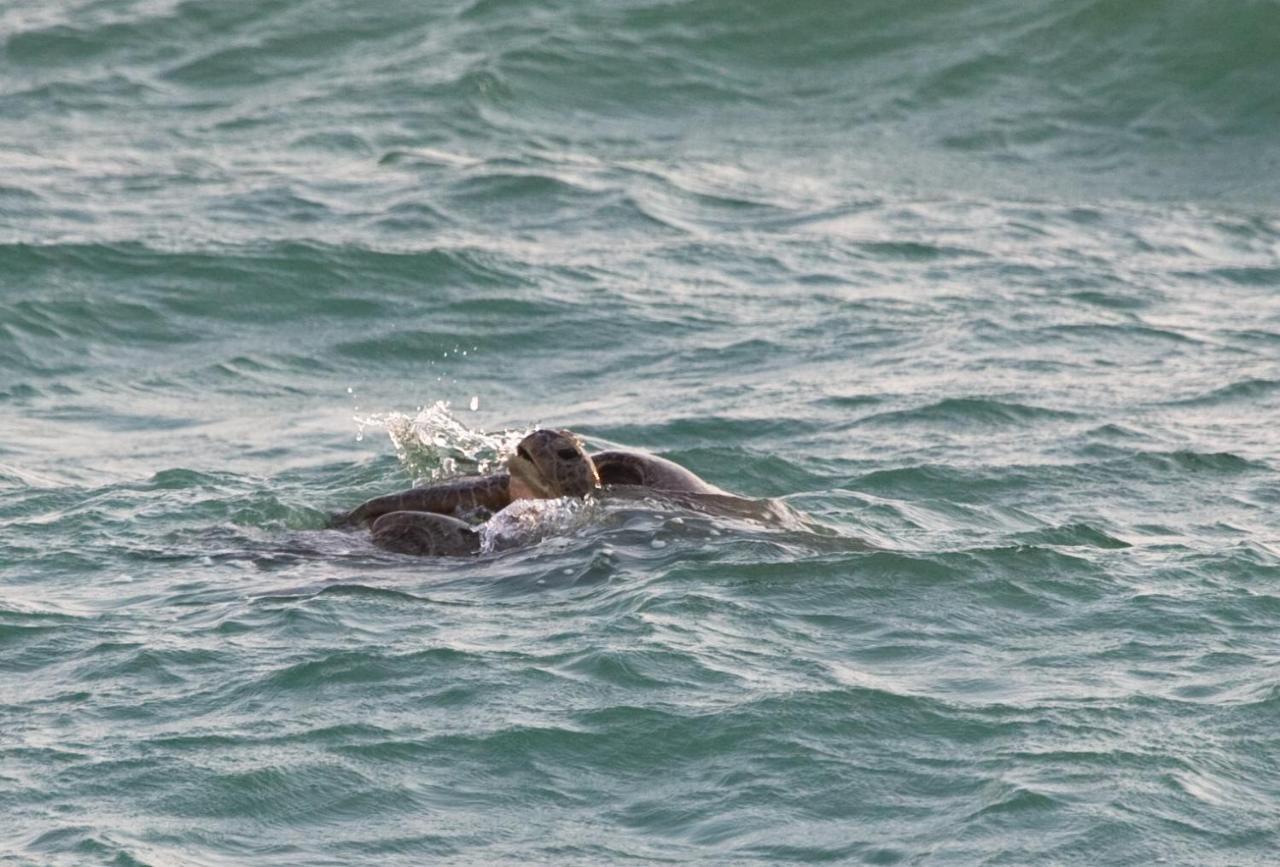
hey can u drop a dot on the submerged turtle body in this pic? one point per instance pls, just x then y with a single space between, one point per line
547 464
648 471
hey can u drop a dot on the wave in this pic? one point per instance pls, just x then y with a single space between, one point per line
983 412
1166 82
61 321
1246 390
1072 535
1168 87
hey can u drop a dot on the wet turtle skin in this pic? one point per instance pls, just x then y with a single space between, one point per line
547 464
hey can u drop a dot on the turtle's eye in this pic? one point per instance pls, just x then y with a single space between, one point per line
567 454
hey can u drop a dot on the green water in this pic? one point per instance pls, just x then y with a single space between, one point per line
986 290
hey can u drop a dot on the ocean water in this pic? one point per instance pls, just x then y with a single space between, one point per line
988 292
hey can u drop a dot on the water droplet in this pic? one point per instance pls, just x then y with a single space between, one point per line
350 390
475 402
658 543
568 571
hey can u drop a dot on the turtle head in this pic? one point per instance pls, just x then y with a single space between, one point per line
549 464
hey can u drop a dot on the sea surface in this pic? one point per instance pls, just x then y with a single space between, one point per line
987 293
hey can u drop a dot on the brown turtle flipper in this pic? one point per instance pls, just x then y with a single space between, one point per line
447 498
425 533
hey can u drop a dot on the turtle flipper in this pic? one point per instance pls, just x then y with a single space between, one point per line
425 533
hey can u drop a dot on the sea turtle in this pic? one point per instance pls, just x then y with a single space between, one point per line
547 464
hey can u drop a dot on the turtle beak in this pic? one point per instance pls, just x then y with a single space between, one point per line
522 467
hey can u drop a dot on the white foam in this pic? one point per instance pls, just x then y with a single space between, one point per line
526 522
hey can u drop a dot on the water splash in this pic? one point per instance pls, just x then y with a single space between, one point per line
527 522
433 445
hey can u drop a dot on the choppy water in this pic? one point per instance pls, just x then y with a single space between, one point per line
987 290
